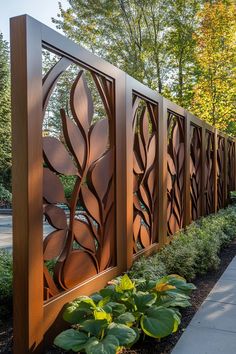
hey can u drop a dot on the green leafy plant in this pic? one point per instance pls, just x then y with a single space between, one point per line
192 251
5 284
119 314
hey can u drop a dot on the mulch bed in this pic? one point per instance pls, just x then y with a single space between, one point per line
204 285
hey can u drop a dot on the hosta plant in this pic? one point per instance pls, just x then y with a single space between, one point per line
119 314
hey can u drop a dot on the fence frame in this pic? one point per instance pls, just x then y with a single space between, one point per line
36 322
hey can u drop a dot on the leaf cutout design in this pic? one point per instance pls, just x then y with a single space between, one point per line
171 166
57 157
91 203
108 240
56 217
83 235
74 140
144 237
49 283
143 196
98 139
151 155
169 183
139 147
51 78
136 101
136 226
101 174
53 244
176 137
151 182
137 165
144 126
104 87
81 103
56 194
78 267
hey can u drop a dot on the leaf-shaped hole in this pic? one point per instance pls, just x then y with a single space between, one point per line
144 126
107 251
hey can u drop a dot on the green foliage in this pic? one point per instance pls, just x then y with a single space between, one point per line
193 251
5 196
68 184
5 283
214 92
119 314
5 119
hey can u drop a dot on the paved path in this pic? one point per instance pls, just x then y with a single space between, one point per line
213 328
6 230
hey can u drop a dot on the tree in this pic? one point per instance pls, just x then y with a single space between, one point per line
5 117
181 22
215 91
129 34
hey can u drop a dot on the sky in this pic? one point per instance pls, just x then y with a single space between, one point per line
41 10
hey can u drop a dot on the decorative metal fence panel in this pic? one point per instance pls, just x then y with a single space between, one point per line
141 168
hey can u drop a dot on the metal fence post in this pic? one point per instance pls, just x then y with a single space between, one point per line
162 172
27 184
186 169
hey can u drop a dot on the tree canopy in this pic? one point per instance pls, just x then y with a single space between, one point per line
173 46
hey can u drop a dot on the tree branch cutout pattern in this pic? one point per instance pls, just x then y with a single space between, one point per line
195 171
82 243
209 174
144 174
175 173
220 169
231 166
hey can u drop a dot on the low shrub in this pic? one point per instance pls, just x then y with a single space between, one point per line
5 197
192 251
5 284
124 311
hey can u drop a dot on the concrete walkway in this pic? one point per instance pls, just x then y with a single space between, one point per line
213 328
6 231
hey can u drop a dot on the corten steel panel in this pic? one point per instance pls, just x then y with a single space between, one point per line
143 116
221 181
208 170
99 158
231 166
195 171
141 164
176 168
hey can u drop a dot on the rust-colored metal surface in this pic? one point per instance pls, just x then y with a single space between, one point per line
231 186
220 171
145 174
140 168
209 171
175 177
83 241
195 171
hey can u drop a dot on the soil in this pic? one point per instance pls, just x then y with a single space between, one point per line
204 285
